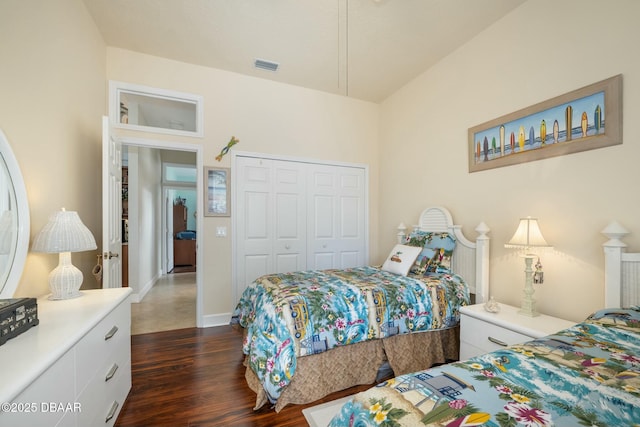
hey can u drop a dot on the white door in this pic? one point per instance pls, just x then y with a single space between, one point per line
336 226
289 245
271 218
295 215
253 213
111 208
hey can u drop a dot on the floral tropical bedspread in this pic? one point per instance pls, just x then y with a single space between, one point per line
302 313
587 375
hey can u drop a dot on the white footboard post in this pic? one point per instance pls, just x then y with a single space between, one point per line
482 263
613 250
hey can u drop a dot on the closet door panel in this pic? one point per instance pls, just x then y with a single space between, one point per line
323 213
336 231
321 227
296 215
254 240
323 260
289 246
351 226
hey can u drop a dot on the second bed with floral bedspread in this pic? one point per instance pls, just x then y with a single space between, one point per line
587 375
291 315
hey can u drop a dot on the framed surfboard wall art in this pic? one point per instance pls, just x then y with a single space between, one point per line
584 119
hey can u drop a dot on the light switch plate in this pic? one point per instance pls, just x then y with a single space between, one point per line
221 231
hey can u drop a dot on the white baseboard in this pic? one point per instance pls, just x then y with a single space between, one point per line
139 296
220 319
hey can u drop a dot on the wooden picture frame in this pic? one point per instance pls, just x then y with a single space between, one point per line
593 113
217 191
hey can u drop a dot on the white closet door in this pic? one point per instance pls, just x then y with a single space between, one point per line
290 217
254 240
272 219
336 224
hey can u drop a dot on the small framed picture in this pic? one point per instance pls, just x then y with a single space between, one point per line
217 189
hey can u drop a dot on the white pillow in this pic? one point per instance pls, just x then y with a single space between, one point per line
401 259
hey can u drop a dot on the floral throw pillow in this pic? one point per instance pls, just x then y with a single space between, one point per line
435 256
401 258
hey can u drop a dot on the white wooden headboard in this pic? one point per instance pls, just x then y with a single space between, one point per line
621 270
470 259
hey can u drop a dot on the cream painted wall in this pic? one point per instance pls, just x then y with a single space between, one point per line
52 86
267 117
542 49
54 92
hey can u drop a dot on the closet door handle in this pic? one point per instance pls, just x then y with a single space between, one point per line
497 341
111 333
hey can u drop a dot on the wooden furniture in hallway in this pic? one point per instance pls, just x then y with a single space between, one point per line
184 249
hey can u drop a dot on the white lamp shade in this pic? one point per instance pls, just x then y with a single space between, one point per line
64 232
528 235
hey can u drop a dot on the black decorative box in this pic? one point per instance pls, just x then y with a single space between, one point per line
17 315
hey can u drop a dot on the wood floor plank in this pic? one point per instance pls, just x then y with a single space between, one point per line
194 377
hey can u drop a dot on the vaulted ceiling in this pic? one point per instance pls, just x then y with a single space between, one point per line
365 49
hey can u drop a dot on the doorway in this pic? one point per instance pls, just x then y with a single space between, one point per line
147 218
180 254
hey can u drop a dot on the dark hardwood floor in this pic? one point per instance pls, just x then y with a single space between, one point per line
195 377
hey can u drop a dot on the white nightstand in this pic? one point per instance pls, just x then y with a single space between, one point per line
482 332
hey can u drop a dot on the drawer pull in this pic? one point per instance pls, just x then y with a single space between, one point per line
497 341
111 372
112 411
111 333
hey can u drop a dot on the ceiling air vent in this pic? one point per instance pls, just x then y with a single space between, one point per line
266 65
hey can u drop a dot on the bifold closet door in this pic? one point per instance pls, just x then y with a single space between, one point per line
271 219
336 220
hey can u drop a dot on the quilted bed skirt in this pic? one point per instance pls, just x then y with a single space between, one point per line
340 368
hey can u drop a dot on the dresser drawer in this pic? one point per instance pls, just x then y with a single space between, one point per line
61 366
98 348
104 399
101 394
487 336
33 406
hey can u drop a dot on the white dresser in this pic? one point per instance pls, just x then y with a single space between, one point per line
74 368
482 332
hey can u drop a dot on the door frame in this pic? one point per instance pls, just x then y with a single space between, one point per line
198 149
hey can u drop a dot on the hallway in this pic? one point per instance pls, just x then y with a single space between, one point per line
170 304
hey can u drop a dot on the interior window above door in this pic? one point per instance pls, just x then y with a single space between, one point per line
156 110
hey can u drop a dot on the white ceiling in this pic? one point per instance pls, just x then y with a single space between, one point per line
365 49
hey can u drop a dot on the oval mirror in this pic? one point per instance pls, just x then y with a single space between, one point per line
14 220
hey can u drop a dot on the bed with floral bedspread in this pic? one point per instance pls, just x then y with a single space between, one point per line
586 375
292 315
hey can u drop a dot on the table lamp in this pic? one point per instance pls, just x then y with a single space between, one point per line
526 237
63 234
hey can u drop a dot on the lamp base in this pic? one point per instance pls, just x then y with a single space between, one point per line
528 305
528 308
65 280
